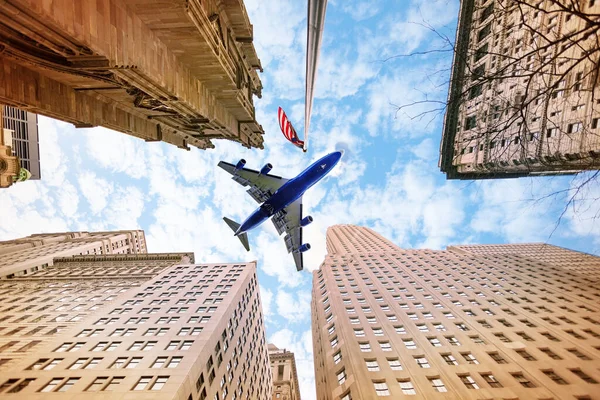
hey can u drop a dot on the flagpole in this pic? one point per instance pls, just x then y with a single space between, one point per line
314 34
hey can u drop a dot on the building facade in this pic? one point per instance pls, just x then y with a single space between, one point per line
148 326
284 373
25 138
523 90
470 322
179 71
19 257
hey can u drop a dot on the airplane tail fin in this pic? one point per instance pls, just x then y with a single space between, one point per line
234 227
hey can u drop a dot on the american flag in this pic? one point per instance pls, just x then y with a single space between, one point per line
288 130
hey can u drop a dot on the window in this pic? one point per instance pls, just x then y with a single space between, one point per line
470 358
174 362
525 355
555 377
359 332
435 342
579 354
400 330
449 358
385 346
159 362
378 331
468 381
497 357
21 385
439 327
365 347
51 386
410 344
523 380
341 376
97 384
502 337
422 362
491 380
550 354
337 357
462 327
407 387
114 382
372 365
437 384
381 389
334 342
395 364
142 383
453 341
583 375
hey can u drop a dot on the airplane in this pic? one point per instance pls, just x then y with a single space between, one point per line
280 199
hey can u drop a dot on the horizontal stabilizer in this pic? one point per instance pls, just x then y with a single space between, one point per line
234 227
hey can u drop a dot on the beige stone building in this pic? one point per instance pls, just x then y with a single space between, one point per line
179 71
284 373
134 326
470 322
523 97
26 255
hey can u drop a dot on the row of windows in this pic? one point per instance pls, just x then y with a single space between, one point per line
47 364
104 383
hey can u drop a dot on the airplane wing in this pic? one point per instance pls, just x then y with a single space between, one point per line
288 221
262 186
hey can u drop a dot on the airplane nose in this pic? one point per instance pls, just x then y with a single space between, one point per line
341 153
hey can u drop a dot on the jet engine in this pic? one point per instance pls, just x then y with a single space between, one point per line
266 169
304 247
240 164
306 221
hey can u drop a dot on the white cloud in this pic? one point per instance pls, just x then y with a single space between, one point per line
117 152
294 307
266 299
125 208
96 190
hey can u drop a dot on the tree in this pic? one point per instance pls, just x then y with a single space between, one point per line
523 95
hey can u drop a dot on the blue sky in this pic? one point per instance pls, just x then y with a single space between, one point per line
96 179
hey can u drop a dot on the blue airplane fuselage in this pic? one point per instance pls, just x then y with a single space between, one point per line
291 191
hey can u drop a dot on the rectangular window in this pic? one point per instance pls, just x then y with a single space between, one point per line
583 375
52 385
449 358
525 355
422 362
395 364
407 387
550 354
468 381
341 376
491 380
437 384
142 383
555 377
381 389
497 357
523 380
470 358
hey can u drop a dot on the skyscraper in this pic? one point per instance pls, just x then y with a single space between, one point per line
523 90
25 139
505 321
29 254
180 71
148 326
285 376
